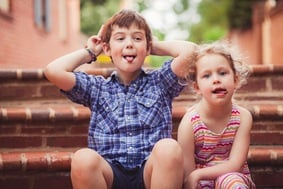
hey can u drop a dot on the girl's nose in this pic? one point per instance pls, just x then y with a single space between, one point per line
215 79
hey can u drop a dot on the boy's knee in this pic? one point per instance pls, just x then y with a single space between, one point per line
168 150
84 159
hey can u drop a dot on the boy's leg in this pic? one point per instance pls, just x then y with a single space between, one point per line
89 170
164 168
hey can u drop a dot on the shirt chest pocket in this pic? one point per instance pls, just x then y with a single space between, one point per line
149 109
107 115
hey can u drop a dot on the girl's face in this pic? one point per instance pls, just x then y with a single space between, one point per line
215 80
128 49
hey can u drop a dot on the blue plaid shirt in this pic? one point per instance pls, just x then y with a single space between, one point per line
126 121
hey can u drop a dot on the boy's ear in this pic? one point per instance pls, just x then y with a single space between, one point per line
106 49
149 47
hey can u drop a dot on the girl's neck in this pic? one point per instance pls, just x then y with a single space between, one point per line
215 111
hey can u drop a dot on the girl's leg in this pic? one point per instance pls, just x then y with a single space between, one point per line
164 168
90 170
234 180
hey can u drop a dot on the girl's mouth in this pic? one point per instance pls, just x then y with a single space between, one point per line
219 91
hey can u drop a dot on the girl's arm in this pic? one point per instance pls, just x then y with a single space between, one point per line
238 154
182 51
186 140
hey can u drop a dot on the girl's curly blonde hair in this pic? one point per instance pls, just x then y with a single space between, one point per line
224 48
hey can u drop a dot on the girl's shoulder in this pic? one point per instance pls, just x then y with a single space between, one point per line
242 110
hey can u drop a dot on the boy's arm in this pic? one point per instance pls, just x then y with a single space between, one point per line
60 71
182 51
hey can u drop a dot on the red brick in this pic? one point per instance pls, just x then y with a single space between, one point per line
15 182
66 141
266 138
277 83
53 181
7 130
36 161
20 141
11 161
254 84
79 129
63 113
40 114
59 160
17 114
44 130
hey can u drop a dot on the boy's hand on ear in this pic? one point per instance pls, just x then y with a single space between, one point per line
95 43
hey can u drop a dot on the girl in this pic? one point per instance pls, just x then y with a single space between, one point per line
215 133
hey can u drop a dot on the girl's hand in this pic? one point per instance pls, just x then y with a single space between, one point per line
192 181
95 43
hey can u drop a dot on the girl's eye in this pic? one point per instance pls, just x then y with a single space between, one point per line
222 73
205 76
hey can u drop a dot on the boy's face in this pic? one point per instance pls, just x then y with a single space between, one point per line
127 48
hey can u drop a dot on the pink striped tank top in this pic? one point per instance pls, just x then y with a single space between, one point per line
212 148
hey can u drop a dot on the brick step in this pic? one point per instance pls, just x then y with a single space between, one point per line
40 128
264 84
67 126
36 168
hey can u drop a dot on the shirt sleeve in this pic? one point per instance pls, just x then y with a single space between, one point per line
169 81
85 86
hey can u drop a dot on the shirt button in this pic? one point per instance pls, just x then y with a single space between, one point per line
130 134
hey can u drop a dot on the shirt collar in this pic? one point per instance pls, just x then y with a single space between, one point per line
114 77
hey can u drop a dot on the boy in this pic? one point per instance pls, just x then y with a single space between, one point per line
129 140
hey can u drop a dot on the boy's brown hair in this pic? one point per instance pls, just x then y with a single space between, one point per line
125 18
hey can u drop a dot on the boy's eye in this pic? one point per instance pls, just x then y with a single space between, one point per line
137 38
120 38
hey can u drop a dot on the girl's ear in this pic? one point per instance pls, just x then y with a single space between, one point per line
237 81
196 87
106 49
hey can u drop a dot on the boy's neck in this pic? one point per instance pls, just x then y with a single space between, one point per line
127 78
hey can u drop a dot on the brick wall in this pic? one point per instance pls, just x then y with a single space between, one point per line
260 46
24 45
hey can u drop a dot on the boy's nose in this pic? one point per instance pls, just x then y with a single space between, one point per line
129 43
